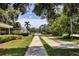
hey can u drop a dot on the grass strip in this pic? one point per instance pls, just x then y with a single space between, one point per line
59 52
15 47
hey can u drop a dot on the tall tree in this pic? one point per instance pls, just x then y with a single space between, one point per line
59 22
27 25
43 28
71 10
10 11
49 11
17 25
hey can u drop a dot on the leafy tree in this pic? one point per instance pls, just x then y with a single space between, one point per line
71 10
4 6
61 24
59 21
33 30
13 15
46 10
17 25
43 28
9 12
21 6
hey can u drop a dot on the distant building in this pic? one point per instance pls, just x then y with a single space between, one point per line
23 30
5 28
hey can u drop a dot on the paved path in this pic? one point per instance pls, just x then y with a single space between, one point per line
52 43
55 43
36 48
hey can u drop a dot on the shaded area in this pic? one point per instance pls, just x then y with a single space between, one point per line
36 48
36 51
65 38
13 52
60 52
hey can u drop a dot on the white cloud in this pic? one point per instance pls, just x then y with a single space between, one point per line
34 22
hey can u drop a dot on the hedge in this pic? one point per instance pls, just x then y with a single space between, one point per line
6 38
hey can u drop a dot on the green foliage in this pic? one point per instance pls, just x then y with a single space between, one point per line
45 29
33 30
5 38
24 34
17 25
61 24
4 6
59 16
3 17
71 9
46 10
9 12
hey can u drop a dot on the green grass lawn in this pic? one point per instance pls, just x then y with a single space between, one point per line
75 39
60 52
15 47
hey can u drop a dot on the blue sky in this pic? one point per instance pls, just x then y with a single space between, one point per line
34 20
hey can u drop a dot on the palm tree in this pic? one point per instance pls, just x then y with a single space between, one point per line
27 25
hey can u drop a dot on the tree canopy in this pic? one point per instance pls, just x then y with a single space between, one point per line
9 12
59 16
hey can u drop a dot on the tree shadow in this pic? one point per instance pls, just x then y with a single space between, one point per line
36 51
13 51
61 52
65 38
51 51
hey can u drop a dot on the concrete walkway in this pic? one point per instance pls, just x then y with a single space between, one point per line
36 48
55 43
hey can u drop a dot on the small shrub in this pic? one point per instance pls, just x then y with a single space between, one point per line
18 37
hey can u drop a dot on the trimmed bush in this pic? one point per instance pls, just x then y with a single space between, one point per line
24 34
6 38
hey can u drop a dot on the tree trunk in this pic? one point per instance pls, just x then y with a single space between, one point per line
69 35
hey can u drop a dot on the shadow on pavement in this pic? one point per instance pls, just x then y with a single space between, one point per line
36 51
